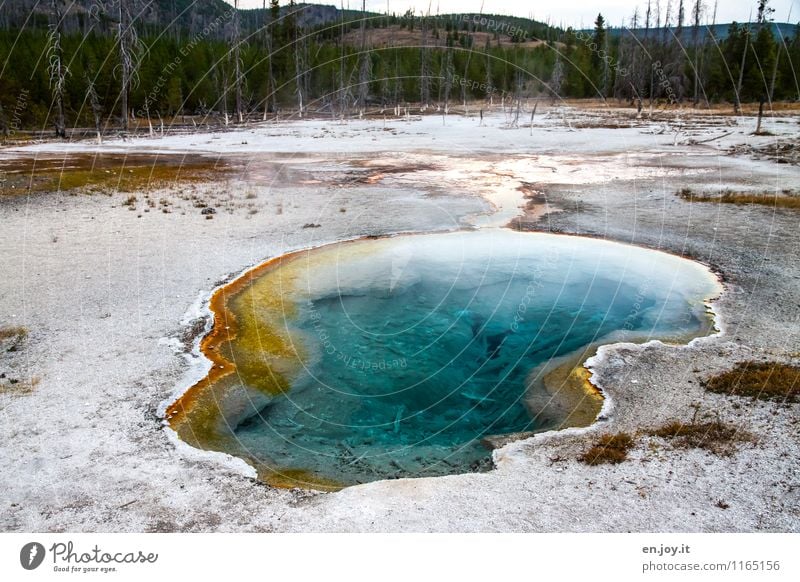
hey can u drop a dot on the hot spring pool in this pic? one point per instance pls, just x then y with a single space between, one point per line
402 357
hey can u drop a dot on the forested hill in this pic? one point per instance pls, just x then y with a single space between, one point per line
106 62
689 35
175 17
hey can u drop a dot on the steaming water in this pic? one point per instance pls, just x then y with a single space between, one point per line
409 351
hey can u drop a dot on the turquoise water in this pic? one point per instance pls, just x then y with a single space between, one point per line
425 346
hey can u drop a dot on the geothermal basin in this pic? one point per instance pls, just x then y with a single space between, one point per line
409 356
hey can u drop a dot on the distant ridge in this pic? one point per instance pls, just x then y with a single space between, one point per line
719 31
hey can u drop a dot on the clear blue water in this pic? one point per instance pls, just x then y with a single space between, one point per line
422 356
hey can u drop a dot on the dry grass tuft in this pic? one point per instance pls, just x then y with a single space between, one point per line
13 387
609 448
12 337
785 199
761 380
716 437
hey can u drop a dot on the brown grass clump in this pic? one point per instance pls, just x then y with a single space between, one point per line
12 337
785 199
761 380
609 448
716 437
14 387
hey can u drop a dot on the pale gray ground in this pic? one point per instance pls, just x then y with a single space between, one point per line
100 287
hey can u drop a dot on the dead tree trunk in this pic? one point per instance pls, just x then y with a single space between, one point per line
424 72
237 60
299 68
737 105
97 109
698 10
57 70
128 47
365 65
448 80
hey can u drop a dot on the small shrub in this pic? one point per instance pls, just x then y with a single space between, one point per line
610 448
130 201
761 380
716 437
12 337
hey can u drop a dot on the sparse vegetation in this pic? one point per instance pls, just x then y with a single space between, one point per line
15 387
11 338
716 437
109 173
761 380
609 448
784 199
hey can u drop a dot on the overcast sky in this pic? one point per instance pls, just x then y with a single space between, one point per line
577 13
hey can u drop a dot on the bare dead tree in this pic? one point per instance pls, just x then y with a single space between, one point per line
624 57
343 91
270 24
57 70
468 60
300 66
519 84
365 64
737 103
698 48
557 78
94 104
637 68
424 65
649 46
489 85
237 62
781 44
447 86
129 48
